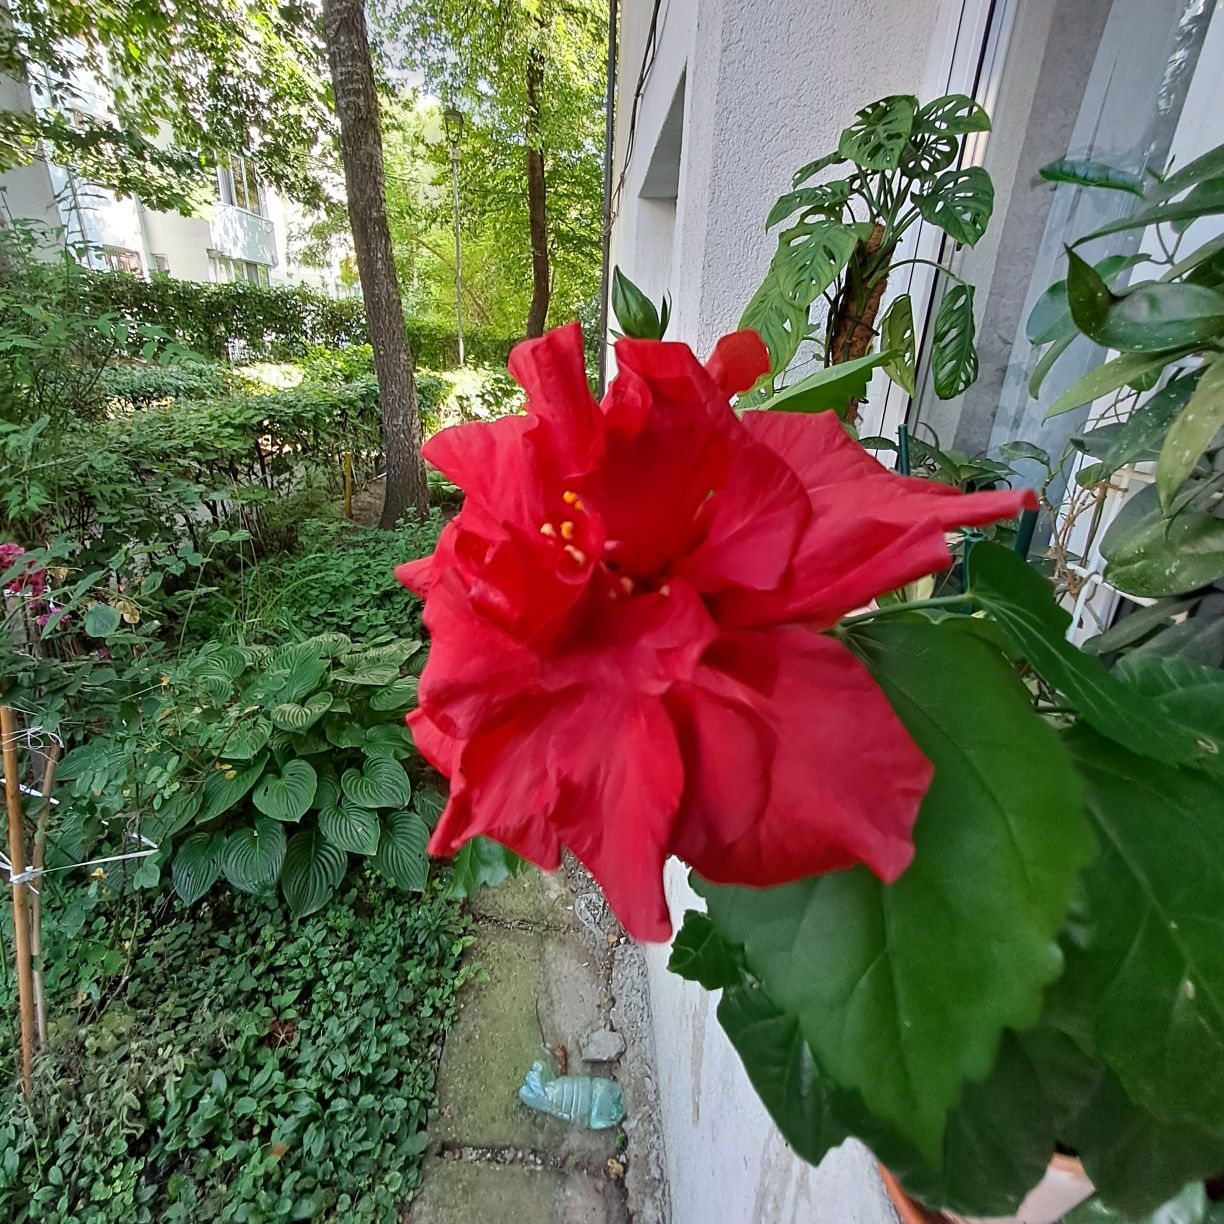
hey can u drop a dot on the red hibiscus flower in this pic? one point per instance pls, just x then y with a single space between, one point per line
626 616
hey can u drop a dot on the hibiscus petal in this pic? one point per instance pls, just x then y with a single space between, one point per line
552 370
416 575
737 361
870 530
439 749
823 773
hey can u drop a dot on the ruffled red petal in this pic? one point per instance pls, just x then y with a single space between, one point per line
737 361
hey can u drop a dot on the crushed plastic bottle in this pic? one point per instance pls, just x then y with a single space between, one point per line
583 1100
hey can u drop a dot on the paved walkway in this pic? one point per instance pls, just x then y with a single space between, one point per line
559 974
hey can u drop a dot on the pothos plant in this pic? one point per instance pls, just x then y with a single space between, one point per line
268 767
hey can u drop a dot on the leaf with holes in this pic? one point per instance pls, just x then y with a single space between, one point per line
1083 172
866 967
289 794
953 356
402 695
401 853
952 115
779 323
1145 961
826 200
313 868
197 865
926 154
897 338
811 255
254 856
289 716
379 783
1193 432
222 793
815 167
876 138
959 202
350 827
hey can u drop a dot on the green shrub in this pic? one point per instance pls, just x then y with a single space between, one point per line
146 386
266 767
241 1066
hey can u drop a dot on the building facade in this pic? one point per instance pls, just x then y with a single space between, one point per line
719 102
240 230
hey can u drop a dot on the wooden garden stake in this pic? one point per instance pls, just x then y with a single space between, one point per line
21 917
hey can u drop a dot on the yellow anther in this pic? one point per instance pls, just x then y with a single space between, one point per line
549 530
626 585
567 530
579 556
569 497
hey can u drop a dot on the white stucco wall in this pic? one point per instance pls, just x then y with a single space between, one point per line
768 85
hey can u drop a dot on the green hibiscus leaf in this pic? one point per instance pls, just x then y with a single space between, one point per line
312 870
700 954
902 990
253 856
380 783
1146 963
482 863
401 853
289 794
197 865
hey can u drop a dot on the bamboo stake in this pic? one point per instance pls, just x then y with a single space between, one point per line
38 858
21 917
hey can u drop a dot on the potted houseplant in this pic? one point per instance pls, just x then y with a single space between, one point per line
964 883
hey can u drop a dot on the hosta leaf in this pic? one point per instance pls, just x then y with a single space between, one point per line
779 323
402 695
1152 317
391 652
902 990
222 793
1022 601
390 740
367 673
877 136
253 856
826 200
313 868
333 643
1148 966
959 202
699 954
1193 431
327 788
248 739
379 783
482 863
289 794
953 356
401 853
897 338
343 732
428 804
350 827
1083 172
289 716
197 865
1149 554
952 115
810 257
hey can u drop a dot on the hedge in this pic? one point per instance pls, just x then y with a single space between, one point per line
240 321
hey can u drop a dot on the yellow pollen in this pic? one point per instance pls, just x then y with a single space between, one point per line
569 497
579 556
626 585
567 530
665 589
549 530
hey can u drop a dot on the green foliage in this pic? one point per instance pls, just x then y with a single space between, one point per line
139 386
236 1064
239 740
901 155
635 312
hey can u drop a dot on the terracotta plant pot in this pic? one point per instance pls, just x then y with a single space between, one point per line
1064 1186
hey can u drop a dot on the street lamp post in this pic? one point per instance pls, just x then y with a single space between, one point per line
452 121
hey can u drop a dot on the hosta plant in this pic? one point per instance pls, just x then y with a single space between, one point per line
964 886
266 767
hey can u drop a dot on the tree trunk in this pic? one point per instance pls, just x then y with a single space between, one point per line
537 214
348 51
